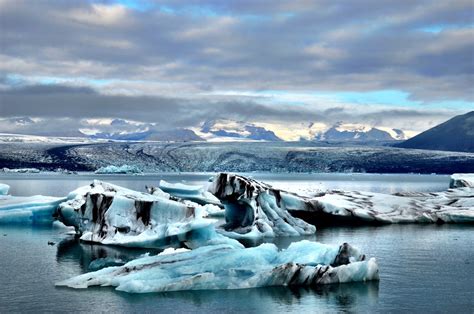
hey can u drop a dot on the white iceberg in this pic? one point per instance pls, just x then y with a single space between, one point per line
21 170
304 263
124 169
109 214
28 210
4 188
459 180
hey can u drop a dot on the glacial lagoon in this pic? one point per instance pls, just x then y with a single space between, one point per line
421 266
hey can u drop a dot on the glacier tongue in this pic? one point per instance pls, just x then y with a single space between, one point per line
109 214
255 210
304 263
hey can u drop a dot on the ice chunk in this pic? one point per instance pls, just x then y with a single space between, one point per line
225 267
21 170
109 214
28 210
197 194
124 169
459 180
4 188
255 210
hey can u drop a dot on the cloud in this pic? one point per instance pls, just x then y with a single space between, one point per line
175 62
62 103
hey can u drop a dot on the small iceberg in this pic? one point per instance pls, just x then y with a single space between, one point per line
303 263
28 210
194 193
4 188
124 169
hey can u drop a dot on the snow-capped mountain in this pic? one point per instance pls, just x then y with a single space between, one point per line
359 132
124 130
230 130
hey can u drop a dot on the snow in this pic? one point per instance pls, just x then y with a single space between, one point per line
109 214
225 267
254 210
124 169
4 188
28 210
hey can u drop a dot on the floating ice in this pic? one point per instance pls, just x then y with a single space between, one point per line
21 170
109 214
254 210
225 267
124 169
28 210
460 180
4 188
194 193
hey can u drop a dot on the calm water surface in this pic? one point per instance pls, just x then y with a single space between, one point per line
422 268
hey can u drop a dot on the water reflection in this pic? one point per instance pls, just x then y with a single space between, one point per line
82 254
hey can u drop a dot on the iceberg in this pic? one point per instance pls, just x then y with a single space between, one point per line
21 170
109 214
303 263
36 209
4 188
124 169
459 180
255 210
194 193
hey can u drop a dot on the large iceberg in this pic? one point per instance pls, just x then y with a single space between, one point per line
303 263
254 209
28 210
109 214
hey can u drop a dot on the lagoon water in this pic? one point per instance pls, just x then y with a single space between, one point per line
422 268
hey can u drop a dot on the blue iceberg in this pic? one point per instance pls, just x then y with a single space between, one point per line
303 263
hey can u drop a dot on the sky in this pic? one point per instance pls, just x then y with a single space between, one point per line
282 64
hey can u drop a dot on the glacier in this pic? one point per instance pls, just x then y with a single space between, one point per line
255 210
222 266
109 214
